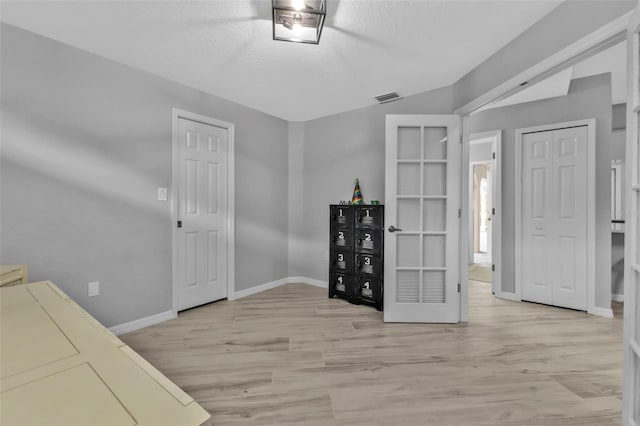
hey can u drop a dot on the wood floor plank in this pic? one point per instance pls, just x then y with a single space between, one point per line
592 384
290 356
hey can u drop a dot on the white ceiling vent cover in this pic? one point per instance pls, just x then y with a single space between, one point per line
387 97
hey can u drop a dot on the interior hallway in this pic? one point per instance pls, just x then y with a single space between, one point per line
292 356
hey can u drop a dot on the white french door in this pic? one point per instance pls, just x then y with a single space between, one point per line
202 211
422 197
631 372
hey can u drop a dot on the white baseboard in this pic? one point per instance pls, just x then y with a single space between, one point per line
258 289
277 283
134 325
601 312
507 296
309 281
617 297
164 316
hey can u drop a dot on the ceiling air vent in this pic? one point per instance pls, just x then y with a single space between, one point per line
387 97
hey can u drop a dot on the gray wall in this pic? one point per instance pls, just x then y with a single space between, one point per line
85 144
566 24
297 243
481 151
337 150
588 98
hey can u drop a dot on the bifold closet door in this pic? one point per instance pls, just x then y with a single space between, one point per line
554 217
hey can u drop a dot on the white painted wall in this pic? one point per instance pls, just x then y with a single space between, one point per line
86 142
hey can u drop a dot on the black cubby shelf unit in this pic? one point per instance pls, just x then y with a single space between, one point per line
356 253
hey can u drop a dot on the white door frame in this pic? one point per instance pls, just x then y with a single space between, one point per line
495 138
230 127
591 205
608 35
603 38
631 367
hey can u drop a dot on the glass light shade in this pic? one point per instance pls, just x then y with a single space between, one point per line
299 21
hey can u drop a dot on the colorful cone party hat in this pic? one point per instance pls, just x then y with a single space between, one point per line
357 195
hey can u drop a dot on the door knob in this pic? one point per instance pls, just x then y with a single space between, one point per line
394 229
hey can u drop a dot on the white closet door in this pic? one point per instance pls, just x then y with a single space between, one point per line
554 217
537 220
422 198
569 249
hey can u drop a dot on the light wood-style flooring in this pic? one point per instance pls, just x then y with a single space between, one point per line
290 356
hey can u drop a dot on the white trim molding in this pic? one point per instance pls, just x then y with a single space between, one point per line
617 297
231 216
599 40
309 281
134 325
507 296
591 209
601 312
277 283
257 289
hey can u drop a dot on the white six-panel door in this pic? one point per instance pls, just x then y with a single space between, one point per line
422 201
202 212
631 372
554 217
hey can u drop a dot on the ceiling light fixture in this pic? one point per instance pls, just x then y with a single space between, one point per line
299 21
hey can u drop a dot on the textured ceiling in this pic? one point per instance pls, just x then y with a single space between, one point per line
225 47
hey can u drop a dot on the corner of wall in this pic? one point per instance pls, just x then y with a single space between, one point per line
295 198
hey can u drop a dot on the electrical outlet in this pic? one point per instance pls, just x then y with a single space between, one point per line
93 288
162 194
326 255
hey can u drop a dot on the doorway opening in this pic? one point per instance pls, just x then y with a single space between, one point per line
482 213
481 188
484 222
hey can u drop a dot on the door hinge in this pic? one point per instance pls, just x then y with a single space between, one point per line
493 210
493 267
458 287
459 212
179 224
494 155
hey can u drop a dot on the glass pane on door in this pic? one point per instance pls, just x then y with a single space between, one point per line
435 143
408 179
409 143
434 212
408 217
435 179
421 214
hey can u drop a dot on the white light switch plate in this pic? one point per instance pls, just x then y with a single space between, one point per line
93 288
162 194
